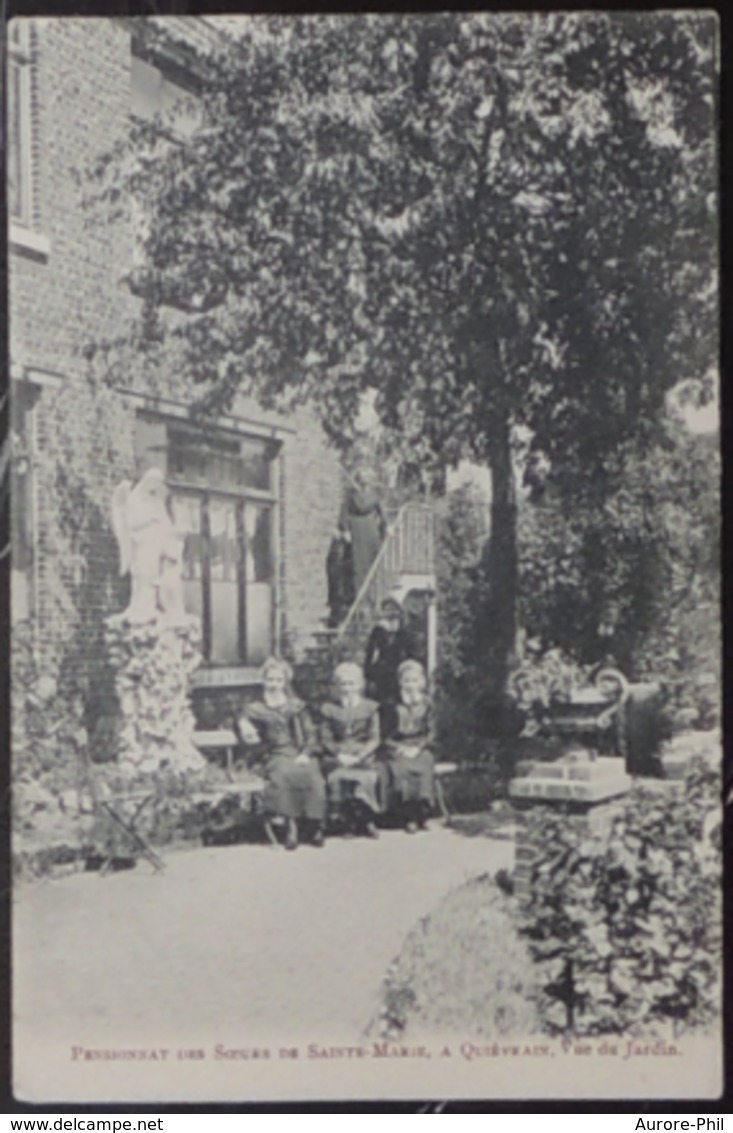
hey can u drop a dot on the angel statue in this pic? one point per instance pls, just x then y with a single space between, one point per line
150 548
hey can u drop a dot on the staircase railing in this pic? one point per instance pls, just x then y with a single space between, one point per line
408 549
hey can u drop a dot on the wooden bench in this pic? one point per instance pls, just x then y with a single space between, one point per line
442 771
222 739
248 795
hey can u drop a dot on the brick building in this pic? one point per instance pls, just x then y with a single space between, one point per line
256 494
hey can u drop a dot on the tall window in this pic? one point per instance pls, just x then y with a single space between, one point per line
223 499
19 157
154 91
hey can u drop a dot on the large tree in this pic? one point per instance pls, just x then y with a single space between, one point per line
491 221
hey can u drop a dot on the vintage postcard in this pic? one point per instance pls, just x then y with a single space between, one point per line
364 466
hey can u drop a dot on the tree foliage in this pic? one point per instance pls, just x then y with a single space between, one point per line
491 221
463 713
626 567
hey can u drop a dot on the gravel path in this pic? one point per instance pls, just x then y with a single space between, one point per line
233 940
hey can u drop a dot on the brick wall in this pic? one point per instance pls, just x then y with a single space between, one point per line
85 432
312 500
58 303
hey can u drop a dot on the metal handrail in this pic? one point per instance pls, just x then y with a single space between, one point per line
384 550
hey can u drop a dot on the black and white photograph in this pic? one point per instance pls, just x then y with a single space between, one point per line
363 481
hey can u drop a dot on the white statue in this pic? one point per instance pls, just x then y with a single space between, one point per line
150 548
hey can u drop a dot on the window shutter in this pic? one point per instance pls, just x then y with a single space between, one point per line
34 129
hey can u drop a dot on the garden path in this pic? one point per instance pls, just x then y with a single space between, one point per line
242 945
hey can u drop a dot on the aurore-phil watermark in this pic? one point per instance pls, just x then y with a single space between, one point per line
652 1124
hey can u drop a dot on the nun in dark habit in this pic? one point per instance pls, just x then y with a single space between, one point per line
363 525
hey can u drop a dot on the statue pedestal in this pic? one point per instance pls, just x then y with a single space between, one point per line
579 787
153 662
584 784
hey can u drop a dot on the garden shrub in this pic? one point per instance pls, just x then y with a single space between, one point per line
48 732
463 706
625 927
49 741
56 821
474 786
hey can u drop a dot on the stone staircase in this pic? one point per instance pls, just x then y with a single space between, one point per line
405 565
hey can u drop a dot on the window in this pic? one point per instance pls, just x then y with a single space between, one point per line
23 235
223 502
154 92
20 191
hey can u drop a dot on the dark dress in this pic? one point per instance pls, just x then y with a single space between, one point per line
363 519
352 731
385 652
411 778
294 790
340 576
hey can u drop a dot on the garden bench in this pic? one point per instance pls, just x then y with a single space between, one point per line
223 739
248 795
226 740
218 740
442 771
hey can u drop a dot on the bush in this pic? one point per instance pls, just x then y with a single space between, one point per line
474 786
48 735
55 819
625 928
48 751
464 711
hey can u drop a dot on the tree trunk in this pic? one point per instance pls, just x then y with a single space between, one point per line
503 568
